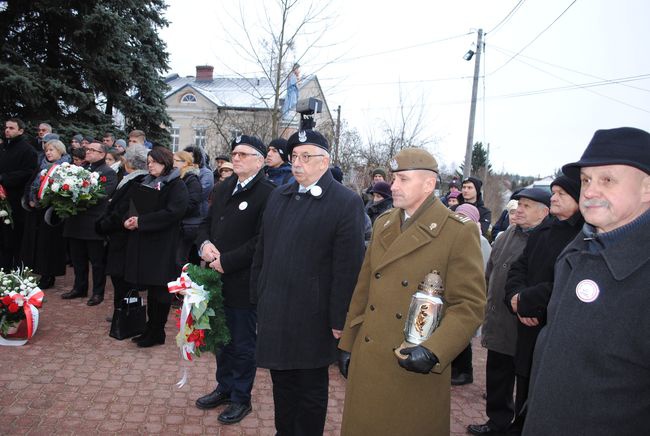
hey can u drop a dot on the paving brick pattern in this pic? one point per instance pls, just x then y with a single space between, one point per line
72 378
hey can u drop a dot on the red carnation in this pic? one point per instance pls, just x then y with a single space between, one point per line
3 193
65 187
6 300
13 308
51 181
85 183
102 179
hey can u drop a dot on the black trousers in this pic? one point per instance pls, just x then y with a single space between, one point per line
159 301
300 399
81 252
499 384
523 383
236 360
462 364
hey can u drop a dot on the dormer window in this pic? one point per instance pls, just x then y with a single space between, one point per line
188 98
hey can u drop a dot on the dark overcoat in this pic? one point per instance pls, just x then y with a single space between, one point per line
306 264
591 369
82 225
111 225
233 225
17 164
151 248
532 277
382 398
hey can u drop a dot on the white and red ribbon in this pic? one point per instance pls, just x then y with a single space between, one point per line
30 303
45 181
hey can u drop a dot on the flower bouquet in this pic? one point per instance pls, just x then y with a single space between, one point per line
70 189
5 208
202 324
20 298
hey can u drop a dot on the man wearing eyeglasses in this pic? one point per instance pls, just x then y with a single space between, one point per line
85 244
306 264
227 240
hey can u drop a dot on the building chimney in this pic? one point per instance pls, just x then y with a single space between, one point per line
204 72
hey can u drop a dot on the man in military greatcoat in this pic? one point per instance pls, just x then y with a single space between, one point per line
410 394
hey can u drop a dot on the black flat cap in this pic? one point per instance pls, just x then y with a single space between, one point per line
251 141
536 194
621 146
307 137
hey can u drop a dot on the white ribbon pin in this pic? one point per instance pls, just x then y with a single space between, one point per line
243 205
587 291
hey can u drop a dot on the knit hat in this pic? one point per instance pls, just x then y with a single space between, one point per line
512 204
622 146
226 166
337 173
280 144
251 141
455 194
571 186
478 184
78 138
121 143
469 210
381 188
379 171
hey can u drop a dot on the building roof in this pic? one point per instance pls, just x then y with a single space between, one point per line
230 92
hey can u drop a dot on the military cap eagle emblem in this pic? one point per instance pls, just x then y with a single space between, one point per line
237 139
302 136
393 164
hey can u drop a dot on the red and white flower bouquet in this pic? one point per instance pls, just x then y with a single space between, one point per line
20 299
5 208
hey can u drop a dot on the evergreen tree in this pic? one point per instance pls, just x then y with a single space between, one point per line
72 62
480 160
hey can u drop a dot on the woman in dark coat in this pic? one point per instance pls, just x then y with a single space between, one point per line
189 172
111 223
154 231
43 247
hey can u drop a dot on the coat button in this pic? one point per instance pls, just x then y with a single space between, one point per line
377 275
220 218
398 315
367 339
405 283
505 265
372 307
297 197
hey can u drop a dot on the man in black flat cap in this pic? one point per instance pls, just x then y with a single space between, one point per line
591 367
306 264
227 240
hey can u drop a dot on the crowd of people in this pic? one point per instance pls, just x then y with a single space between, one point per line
314 273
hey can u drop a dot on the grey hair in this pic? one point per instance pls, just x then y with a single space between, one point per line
136 156
58 145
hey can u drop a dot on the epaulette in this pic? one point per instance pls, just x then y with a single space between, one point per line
460 218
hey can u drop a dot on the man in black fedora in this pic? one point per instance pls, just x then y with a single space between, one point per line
591 370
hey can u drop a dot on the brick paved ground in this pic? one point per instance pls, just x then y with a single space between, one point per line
72 378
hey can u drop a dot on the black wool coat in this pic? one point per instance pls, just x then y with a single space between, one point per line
17 164
111 225
233 225
82 225
305 268
532 276
151 248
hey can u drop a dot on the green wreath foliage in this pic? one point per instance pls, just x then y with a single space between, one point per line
217 333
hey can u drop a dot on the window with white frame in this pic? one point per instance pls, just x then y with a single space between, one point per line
199 136
188 98
175 133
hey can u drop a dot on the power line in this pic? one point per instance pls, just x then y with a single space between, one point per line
507 17
535 38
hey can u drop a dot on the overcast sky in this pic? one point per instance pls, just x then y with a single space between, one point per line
540 107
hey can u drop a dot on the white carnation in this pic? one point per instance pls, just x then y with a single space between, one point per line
3 213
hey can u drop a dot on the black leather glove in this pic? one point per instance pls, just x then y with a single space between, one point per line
419 359
344 362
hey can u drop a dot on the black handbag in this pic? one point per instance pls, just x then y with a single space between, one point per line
130 318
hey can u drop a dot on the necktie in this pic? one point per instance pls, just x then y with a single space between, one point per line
302 189
237 189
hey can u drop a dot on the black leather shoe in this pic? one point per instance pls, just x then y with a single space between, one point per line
139 338
73 294
46 282
463 378
482 429
234 413
150 341
212 400
95 300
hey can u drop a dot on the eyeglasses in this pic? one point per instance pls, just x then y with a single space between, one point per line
304 158
93 150
241 154
179 160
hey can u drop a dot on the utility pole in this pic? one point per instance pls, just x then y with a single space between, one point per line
338 135
472 111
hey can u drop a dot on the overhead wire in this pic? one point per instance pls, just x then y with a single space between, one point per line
535 38
506 18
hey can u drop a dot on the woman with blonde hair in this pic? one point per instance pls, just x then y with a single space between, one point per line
189 172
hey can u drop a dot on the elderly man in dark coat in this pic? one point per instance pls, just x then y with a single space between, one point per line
499 331
591 368
17 163
530 279
86 245
305 267
227 240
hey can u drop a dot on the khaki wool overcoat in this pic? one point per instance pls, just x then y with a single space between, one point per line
382 398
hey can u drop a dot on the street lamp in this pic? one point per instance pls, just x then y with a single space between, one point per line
469 55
